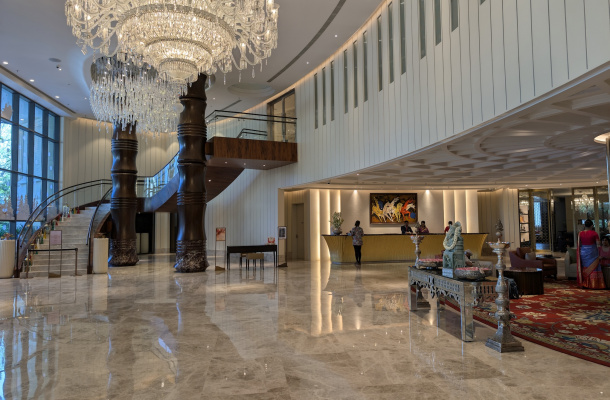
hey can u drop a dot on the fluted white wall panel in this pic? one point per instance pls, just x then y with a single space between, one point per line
87 155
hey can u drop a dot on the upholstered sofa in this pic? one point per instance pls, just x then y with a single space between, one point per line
520 260
570 263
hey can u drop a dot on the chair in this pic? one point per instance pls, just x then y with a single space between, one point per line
570 262
518 261
254 257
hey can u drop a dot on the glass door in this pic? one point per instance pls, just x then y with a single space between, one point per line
542 219
524 218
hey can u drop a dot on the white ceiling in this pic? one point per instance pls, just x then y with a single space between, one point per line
33 31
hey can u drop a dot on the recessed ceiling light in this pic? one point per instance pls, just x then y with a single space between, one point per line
225 162
209 180
307 62
57 97
5 62
31 80
265 166
336 35
357 174
213 98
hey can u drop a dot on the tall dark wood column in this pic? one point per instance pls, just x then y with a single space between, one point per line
192 134
123 203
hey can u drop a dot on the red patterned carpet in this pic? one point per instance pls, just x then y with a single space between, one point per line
567 319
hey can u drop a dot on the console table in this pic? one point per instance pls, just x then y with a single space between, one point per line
466 293
261 248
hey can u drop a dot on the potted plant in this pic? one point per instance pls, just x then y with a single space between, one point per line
336 221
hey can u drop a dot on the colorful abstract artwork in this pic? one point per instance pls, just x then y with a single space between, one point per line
393 208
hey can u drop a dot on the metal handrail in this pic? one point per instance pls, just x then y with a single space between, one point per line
27 228
91 227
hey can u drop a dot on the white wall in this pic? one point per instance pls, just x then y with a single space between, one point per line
87 156
502 55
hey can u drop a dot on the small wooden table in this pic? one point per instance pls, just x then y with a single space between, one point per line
529 280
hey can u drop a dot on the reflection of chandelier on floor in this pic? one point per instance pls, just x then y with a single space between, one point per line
584 203
180 38
123 93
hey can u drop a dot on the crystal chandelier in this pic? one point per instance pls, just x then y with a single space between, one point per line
180 38
123 93
584 203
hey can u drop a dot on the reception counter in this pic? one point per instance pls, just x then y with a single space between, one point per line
396 247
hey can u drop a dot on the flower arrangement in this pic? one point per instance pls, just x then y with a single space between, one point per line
336 221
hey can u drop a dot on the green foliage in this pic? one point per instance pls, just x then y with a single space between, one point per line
336 220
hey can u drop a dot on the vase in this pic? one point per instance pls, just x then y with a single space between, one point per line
335 231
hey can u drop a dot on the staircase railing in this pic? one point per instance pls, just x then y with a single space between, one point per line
89 265
29 232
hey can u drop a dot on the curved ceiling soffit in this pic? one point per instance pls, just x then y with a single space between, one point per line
329 20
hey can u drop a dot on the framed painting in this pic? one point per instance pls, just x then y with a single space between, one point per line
393 208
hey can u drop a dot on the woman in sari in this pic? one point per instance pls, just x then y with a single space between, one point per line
589 272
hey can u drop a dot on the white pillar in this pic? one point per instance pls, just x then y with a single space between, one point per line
161 232
325 212
314 230
472 211
460 209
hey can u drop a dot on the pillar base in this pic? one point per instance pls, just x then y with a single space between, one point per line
123 253
191 256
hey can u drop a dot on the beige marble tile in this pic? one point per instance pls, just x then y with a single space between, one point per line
311 331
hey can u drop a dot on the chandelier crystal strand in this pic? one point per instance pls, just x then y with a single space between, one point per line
123 93
180 38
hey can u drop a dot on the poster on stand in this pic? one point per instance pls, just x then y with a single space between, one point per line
221 234
281 233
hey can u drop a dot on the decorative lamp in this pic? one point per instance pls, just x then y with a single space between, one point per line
180 38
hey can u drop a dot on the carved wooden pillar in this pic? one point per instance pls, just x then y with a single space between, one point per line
123 203
192 134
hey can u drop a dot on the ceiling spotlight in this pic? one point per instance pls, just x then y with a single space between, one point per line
307 62
58 67
5 62
31 80
57 97
336 35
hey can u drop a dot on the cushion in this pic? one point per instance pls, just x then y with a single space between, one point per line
526 250
530 256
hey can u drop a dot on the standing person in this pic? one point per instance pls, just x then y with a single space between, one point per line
604 252
406 228
588 271
423 229
356 233
448 226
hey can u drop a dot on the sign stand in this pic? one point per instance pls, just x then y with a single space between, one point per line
221 236
281 236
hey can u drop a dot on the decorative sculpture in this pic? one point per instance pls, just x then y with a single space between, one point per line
503 340
123 200
191 200
417 239
453 257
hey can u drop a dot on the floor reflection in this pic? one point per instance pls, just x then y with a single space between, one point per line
312 330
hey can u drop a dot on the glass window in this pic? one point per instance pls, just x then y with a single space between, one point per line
23 208
365 66
23 151
6 103
332 90
51 161
391 41
344 81
5 146
379 55
455 15
37 155
355 58
51 129
315 95
36 193
38 122
422 28
24 112
5 187
437 22
403 39
5 227
324 96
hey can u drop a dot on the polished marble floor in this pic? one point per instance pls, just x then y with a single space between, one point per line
309 331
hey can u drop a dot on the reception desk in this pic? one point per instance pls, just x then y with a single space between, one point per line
396 247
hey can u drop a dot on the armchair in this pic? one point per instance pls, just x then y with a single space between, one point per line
570 262
518 261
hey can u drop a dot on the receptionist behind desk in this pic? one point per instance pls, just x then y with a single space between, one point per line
406 228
